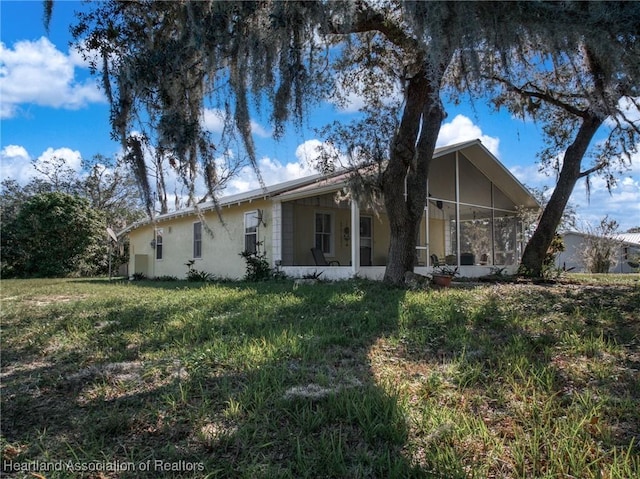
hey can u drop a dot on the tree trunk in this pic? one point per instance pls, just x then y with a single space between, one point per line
537 247
410 156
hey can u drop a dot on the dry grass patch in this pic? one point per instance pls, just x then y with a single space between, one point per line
519 381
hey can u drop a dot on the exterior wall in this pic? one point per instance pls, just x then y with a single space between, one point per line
141 254
627 254
326 273
570 258
221 243
574 245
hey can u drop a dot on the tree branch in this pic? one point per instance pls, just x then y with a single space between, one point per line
597 167
544 96
367 20
628 121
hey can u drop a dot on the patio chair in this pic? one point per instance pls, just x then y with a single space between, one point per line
318 257
434 260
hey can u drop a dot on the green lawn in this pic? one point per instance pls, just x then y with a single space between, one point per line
347 380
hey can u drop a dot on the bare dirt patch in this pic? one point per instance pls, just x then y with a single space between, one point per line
53 299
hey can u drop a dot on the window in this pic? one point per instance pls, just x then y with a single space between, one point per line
197 240
251 232
323 234
159 234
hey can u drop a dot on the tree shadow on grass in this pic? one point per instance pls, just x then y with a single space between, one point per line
546 372
270 382
263 380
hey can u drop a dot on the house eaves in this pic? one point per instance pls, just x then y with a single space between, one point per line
232 200
325 185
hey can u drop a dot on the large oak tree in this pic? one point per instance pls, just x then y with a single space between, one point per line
162 62
584 92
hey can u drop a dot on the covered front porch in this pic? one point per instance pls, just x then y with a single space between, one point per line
355 242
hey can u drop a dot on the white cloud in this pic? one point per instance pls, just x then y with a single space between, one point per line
259 130
17 164
38 73
462 129
531 176
634 168
213 120
628 106
73 158
272 171
80 56
621 204
352 103
308 152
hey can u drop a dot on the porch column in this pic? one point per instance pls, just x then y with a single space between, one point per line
458 207
355 237
276 233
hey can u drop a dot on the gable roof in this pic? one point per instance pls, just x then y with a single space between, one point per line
320 183
493 169
630 238
627 239
473 150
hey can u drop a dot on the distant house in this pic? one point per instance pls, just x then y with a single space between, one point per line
575 243
471 220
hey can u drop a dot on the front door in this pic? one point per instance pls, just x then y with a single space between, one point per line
366 240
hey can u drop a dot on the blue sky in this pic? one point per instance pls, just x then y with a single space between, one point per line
51 106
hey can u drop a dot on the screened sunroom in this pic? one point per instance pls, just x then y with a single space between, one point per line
471 220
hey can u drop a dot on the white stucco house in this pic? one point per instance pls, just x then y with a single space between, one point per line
625 261
471 220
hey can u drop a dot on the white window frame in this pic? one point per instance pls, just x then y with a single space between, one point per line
247 225
197 240
159 241
331 234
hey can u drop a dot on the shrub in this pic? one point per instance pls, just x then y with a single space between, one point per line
166 278
195 275
601 246
54 234
258 268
